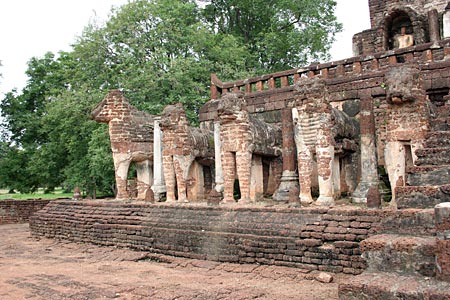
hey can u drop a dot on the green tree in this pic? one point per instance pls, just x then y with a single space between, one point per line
13 169
22 111
63 158
100 163
22 114
280 34
158 52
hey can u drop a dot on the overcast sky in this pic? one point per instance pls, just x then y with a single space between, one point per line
33 27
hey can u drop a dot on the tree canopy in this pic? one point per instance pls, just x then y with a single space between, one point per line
158 52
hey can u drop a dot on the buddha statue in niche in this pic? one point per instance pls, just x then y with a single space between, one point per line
403 39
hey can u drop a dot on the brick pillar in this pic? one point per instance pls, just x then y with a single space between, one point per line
369 172
169 177
181 166
442 219
195 185
289 178
229 172
256 180
305 169
213 88
243 169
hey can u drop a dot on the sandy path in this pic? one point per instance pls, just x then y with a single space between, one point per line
52 270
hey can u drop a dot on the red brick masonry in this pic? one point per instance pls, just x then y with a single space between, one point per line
308 238
19 211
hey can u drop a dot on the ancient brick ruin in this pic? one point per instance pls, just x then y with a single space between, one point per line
187 156
131 135
370 128
245 140
324 137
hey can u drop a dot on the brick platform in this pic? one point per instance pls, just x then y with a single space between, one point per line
19 211
309 238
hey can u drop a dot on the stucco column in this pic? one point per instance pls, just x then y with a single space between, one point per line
369 171
218 158
446 21
325 162
256 179
144 179
121 165
394 156
289 187
158 175
442 221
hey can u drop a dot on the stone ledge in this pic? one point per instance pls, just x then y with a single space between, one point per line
386 286
421 196
411 220
400 254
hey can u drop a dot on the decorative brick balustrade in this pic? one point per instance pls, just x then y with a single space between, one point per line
354 66
348 79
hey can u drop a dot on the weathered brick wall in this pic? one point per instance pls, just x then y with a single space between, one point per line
19 211
382 15
367 42
379 8
309 238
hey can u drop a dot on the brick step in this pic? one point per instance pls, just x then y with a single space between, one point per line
401 254
437 139
407 221
433 156
428 175
384 286
421 196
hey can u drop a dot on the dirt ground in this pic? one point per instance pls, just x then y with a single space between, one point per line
53 270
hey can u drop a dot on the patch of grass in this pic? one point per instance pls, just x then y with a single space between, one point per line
58 193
